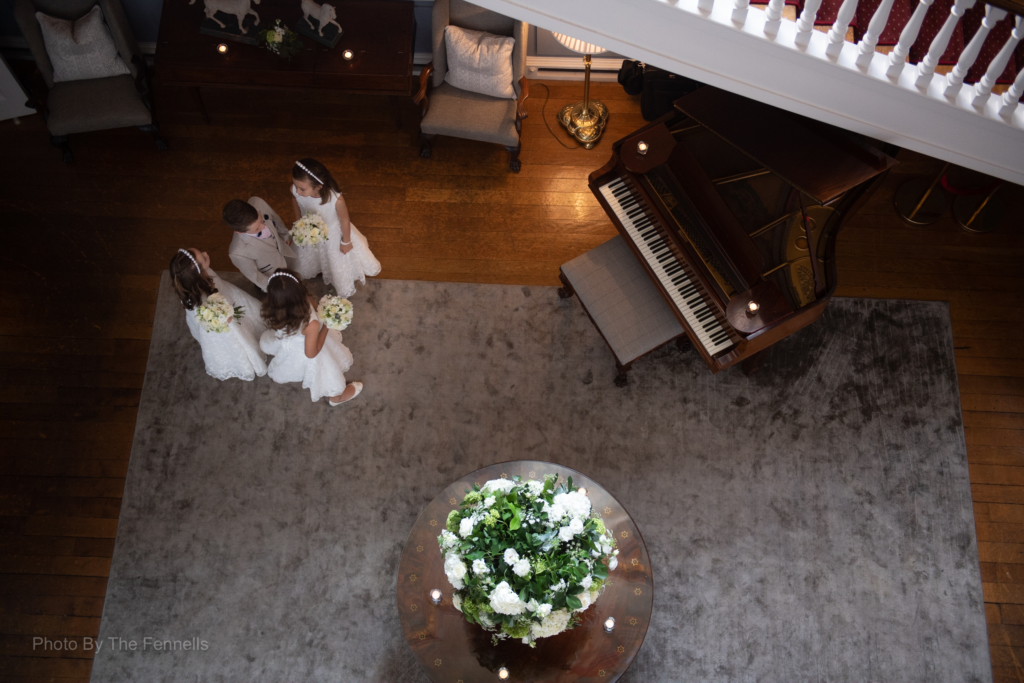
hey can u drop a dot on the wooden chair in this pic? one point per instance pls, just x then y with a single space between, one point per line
447 110
71 107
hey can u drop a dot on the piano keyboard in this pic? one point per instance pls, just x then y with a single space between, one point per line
675 275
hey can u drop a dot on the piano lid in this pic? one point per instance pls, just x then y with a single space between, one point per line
815 158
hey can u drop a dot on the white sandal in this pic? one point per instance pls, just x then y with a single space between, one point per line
359 389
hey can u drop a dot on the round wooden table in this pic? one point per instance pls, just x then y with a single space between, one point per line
452 650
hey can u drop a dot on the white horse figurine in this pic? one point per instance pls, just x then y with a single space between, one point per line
240 8
324 13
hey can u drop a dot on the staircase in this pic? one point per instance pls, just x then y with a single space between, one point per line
878 69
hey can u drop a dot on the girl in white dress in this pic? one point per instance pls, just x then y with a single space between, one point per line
345 257
304 350
235 353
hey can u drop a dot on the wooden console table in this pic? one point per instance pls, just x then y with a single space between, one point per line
379 33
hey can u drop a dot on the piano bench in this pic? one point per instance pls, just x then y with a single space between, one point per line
619 297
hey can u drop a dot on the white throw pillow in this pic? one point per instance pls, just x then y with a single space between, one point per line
82 49
479 62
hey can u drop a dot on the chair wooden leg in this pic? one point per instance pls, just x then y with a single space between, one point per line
61 143
622 379
154 130
566 290
425 149
514 164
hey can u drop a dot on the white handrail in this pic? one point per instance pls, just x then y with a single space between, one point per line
955 78
805 24
926 68
898 57
867 44
996 67
837 36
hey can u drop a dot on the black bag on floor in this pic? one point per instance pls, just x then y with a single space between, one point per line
661 89
631 76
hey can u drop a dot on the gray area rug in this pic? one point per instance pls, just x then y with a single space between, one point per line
812 522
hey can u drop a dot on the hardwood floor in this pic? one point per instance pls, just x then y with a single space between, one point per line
87 242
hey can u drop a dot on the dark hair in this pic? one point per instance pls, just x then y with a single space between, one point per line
287 304
239 215
321 172
188 282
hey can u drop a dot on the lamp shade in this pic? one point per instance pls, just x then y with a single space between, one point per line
577 45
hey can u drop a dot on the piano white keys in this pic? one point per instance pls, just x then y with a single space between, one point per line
675 276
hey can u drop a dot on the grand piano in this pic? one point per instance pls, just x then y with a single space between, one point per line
732 208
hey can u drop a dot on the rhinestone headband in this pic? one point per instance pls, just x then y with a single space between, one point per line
191 258
280 275
309 173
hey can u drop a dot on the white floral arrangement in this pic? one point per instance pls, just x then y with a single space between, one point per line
526 557
215 315
334 312
309 230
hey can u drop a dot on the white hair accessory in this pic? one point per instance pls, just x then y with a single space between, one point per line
191 258
280 275
308 172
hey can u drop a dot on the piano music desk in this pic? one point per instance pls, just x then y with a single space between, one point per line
621 300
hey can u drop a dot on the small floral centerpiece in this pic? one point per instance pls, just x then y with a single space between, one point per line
526 557
309 230
334 312
281 40
215 315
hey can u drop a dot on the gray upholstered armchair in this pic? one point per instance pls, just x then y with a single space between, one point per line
95 104
447 110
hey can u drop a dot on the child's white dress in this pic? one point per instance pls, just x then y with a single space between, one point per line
341 270
323 375
235 353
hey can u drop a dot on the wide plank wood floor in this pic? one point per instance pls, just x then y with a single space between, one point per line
86 244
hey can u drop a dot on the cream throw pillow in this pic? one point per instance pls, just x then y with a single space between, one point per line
479 62
82 49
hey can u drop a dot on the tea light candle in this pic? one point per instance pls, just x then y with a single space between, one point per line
503 673
348 55
222 48
435 596
583 491
609 624
752 307
641 147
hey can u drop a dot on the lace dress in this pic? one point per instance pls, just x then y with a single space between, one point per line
235 353
323 375
340 270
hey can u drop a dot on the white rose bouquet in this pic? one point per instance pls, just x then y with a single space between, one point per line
334 312
215 315
309 230
526 557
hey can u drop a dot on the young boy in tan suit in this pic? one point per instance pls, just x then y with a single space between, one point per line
261 243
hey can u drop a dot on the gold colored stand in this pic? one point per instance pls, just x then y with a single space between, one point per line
585 120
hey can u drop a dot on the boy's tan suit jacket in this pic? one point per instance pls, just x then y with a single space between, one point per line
257 258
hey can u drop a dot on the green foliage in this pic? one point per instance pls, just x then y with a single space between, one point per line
452 524
519 630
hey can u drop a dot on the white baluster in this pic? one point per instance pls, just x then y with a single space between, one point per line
774 16
739 11
706 5
837 36
875 27
805 24
898 57
955 78
995 69
926 68
1011 97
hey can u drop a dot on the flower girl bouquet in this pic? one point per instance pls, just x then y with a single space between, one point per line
334 312
215 315
309 230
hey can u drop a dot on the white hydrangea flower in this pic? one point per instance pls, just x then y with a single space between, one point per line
555 512
565 534
480 567
587 581
522 567
532 605
488 501
466 527
455 570
544 610
575 503
576 525
552 624
613 563
457 601
505 601
535 487
495 485
511 556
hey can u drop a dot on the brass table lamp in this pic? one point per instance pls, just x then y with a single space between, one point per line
584 120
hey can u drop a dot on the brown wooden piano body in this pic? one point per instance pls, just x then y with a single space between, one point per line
725 202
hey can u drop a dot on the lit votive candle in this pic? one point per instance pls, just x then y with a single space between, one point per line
222 48
609 624
753 306
435 596
347 54
641 147
583 491
503 673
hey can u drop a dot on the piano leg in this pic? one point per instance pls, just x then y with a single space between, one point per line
752 364
514 164
622 379
566 290
682 342
425 149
